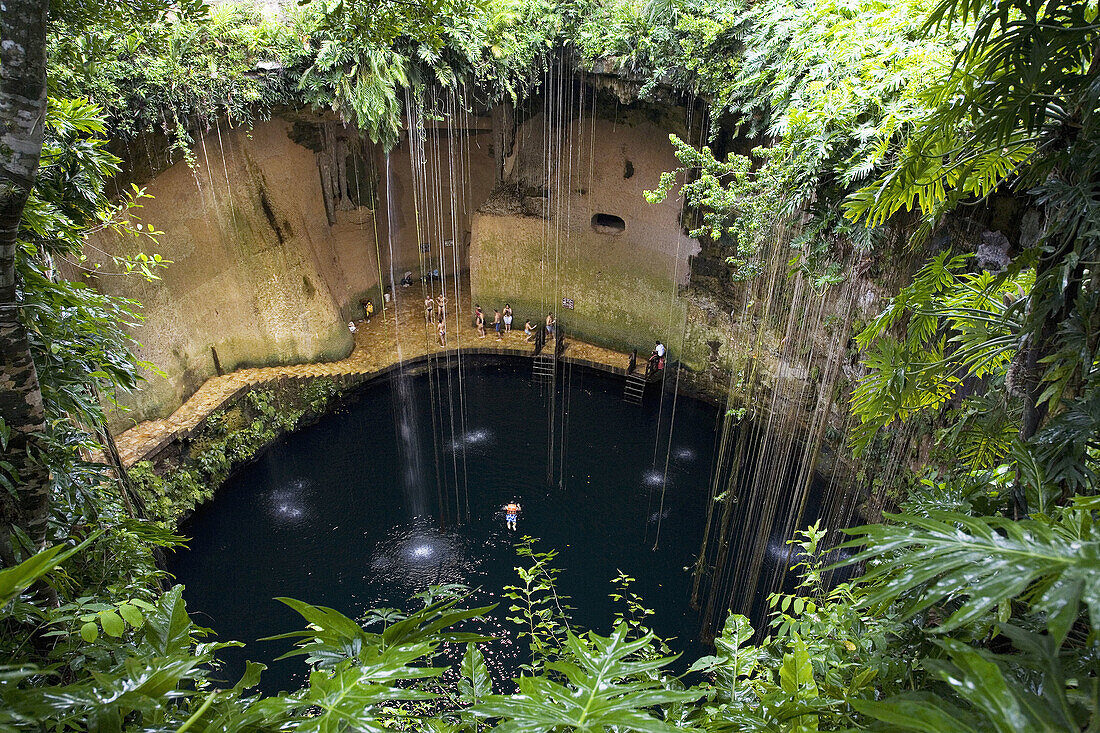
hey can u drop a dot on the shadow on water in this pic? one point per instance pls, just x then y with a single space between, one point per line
322 515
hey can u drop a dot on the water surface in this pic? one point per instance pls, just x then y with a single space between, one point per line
341 513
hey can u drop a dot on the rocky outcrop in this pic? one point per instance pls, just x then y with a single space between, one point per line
259 273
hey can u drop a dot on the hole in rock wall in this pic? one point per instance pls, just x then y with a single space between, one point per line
608 224
628 170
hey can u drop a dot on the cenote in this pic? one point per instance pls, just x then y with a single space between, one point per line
329 514
325 286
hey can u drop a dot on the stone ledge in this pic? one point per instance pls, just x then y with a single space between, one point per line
377 352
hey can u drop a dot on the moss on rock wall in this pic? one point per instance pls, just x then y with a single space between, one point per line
230 438
579 228
257 273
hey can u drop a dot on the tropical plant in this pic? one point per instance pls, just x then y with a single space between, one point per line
1026 129
173 73
540 612
957 326
830 90
604 688
411 53
75 334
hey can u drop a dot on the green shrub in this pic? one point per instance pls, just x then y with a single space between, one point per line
228 439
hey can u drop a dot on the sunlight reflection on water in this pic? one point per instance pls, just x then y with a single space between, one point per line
419 554
473 438
684 453
288 503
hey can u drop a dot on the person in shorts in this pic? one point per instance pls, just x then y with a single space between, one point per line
511 514
507 318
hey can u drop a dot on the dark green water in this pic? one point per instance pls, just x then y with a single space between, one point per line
324 515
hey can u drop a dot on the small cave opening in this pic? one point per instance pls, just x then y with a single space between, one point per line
628 170
608 224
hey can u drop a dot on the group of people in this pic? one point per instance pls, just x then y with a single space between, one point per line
502 324
435 311
502 321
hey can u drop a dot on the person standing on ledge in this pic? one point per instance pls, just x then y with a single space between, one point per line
442 332
441 302
529 331
507 318
550 325
429 309
479 321
511 514
497 324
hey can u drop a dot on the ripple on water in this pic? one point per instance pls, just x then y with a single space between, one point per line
416 555
288 503
473 439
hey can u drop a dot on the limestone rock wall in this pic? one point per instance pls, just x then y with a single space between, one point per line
427 193
258 272
276 233
575 224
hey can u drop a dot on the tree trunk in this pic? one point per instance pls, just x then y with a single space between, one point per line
22 121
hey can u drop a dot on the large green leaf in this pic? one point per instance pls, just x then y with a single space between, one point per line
333 637
1004 693
475 683
918 712
347 700
15 580
608 685
168 628
977 563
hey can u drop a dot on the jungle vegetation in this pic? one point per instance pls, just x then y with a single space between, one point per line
978 600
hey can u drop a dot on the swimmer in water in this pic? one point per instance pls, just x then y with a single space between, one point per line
511 513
